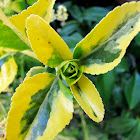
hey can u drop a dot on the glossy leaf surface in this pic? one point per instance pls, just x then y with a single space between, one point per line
103 48
50 49
88 98
105 84
132 89
44 98
8 71
35 70
43 8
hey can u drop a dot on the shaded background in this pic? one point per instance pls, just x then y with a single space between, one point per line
119 88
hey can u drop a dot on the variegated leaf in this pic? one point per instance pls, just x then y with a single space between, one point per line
42 106
103 48
35 70
29 53
8 71
10 37
50 49
43 8
88 98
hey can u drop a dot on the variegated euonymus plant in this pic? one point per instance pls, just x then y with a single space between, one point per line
43 105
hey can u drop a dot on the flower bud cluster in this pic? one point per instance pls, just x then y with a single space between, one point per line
60 15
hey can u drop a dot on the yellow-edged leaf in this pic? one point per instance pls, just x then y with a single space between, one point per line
35 70
8 31
103 48
50 49
8 71
42 106
43 8
30 53
88 98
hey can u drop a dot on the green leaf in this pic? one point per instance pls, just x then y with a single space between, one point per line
76 12
132 89
137 39
135 134
31 2
18 6
117 97
105 84
73 39
94 13
120 125
123 66
69 28
9 39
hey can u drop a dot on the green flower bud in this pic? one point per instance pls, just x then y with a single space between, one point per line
70 71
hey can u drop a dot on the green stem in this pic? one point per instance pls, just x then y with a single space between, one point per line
138 119
84 126
22 67
2 107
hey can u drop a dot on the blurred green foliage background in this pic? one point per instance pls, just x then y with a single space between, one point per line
119 88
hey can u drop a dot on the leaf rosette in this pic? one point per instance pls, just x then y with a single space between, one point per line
70 71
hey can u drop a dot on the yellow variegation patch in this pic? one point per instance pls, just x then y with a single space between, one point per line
17 23
8 71
43 101
43 105
42 8
103 48
89 99
23 96
50 49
